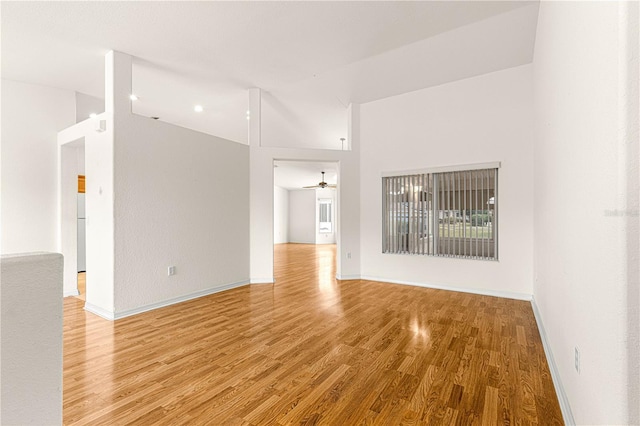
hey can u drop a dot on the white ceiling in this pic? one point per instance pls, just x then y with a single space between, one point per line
311 58
298 174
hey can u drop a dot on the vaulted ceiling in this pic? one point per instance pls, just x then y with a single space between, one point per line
310 58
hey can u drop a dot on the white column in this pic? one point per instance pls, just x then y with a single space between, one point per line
117 83
260 197
348 201
102 159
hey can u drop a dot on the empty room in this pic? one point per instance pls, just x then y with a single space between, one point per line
310 212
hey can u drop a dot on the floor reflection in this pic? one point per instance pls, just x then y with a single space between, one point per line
330 298
420 330
308 349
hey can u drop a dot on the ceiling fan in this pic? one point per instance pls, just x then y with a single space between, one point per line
321 184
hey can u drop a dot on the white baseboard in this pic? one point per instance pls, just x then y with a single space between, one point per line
108 315
482 292
347 277
71 293
269 280
123 314
567 415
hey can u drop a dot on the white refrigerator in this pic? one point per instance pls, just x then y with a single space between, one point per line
82 242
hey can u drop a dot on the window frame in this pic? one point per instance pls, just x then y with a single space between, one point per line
329 210
419 222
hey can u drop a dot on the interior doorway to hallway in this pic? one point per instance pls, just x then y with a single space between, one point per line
72 214
82 239
306 210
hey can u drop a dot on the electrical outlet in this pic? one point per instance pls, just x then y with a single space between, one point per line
349 255
171 270
577 359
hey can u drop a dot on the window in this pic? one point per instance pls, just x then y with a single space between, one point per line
324 216
448 213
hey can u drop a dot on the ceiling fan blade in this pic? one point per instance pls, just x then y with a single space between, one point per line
322 184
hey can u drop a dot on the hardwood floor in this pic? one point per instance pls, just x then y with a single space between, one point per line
310 350
82 286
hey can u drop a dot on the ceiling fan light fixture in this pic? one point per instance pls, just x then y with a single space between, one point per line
322 184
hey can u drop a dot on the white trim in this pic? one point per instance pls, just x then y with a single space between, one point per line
118 315
270 280
98 311
482 292
443 169
173 301
347 277
565 407
71 293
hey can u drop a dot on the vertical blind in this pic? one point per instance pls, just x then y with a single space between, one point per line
325 211
450 214
324 216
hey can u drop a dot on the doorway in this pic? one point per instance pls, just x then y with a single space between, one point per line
305 210
71 167
82 239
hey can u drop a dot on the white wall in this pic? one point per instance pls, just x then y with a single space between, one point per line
80 159
298 118
159 195
280 215
181 199
87 105
302 216
296 216
586 202
481 119
99 200
31 117
31 348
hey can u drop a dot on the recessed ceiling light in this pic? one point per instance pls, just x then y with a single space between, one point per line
133 97
93 115
198 108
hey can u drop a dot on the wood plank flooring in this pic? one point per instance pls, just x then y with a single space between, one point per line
310 350
82 286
